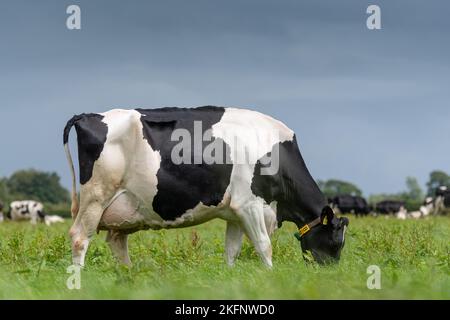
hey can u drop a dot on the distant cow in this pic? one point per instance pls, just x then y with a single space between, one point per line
179 167
51 219
389 207
27 210
425 210
351 204
442 200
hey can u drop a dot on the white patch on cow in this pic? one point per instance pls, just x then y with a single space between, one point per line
415 215
49 220
128 154
428 208
252 133
402 214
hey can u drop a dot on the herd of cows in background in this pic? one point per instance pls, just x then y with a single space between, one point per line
345 204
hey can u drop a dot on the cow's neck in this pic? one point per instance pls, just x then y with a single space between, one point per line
303 202
302 217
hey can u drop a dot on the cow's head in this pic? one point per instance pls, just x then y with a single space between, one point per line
326 239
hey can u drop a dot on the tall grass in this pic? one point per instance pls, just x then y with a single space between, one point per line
414 257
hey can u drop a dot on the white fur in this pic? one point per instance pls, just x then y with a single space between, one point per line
402 214
49 220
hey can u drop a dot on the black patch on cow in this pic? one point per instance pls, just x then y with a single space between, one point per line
24 209
92 134
182 187
447 200
41 214
351 204
298 197
389 206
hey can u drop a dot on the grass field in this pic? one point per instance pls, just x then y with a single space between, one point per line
414 257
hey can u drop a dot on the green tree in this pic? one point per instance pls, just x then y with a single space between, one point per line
4 192
414 190
412 197
37 185
437 178
333 187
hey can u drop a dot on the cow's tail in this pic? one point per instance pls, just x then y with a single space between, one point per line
75 203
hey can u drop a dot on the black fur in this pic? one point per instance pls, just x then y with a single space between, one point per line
351 204
389 206
41 214
298 197
92 134
24 209
182 187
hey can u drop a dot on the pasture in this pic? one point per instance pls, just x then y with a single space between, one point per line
414 257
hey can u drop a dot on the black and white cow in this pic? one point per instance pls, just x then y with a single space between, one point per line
351 204
389 207
178 167
442 201
26 210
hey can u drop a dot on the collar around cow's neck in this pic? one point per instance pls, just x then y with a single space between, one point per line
307 228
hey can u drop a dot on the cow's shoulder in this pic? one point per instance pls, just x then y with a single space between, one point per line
247 119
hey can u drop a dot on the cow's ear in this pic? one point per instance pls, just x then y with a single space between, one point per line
327 215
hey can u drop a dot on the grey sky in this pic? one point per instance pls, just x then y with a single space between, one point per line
371 107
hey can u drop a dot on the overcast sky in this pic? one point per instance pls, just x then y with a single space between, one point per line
370 107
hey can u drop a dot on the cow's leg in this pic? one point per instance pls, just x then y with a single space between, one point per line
233 242
83 229
118 242
34 217
252 217
270 219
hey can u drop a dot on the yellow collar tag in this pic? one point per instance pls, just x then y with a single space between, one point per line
307 228
304 230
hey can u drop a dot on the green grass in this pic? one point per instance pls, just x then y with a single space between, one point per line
414 257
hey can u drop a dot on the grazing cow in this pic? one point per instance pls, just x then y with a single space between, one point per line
425 210
351 204
27 210
442 201
1 212
178 167
428 207
389 207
